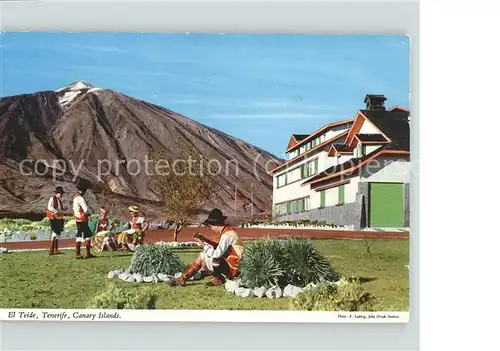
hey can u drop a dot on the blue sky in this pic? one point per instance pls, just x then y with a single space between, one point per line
259 88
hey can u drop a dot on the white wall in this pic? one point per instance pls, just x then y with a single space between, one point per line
290 192
387 169
315 199
368 128
334 132
351 190
371 147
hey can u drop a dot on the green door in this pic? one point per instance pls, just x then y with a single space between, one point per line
386 205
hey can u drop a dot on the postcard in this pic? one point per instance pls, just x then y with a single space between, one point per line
204 177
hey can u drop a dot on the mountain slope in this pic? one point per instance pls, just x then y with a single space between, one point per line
89 128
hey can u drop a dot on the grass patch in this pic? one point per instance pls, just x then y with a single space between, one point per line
348 295
114 297
35 280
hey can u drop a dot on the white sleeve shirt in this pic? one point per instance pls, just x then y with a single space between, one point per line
51 206
79 202
224 243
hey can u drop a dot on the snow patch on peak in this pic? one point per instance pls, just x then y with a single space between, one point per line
76 86
73 91
67 97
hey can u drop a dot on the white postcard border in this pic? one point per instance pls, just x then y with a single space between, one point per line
232 316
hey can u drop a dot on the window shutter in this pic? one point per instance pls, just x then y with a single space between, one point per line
341 194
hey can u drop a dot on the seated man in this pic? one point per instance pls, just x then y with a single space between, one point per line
219 258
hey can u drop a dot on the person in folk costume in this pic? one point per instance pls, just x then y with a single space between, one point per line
81 213
103 239
55 213
220 258
134 236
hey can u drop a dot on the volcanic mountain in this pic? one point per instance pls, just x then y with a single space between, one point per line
79 125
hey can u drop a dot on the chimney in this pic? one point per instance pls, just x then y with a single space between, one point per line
375 102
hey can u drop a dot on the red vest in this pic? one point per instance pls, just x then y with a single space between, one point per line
102 225
233 253
135 225
57 204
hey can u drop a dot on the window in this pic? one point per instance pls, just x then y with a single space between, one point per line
288 207
322 199
341 194
281 180
307 204
300 205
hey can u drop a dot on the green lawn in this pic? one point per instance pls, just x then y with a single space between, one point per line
36 280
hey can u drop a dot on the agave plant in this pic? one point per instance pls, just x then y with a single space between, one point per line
152 259
281 262
305 263
262 263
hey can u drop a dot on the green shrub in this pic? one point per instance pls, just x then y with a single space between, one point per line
114 297
306 264
263 263
281 262
344 296
70 224
152 259
33 236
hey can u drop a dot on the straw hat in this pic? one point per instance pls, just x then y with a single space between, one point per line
133 209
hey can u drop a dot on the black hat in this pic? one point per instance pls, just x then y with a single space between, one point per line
215 217
59 190
81 186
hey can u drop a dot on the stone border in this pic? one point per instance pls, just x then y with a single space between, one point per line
274 292
127 276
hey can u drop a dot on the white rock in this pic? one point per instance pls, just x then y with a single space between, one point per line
291 291
138 278
259 292
274 292
118 271
231 285
155 278
148 279
112 275
177 275
124 276
243 292
130 279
